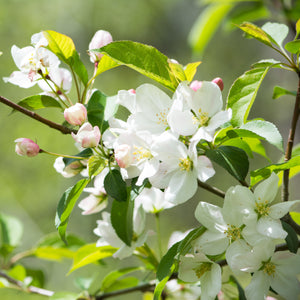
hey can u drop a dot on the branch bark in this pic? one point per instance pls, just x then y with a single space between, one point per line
211 189
33 115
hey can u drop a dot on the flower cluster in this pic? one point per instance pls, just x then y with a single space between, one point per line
246 229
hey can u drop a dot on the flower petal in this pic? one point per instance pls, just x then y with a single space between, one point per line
267 190
259 286
271 228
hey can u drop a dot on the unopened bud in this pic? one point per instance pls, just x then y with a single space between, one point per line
100 39
123 156
76 114
195 85
26 147
87 136
219 82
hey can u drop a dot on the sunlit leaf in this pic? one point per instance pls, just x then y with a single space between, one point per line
38 102
243 93
144 59
295 216
255 32
277 32
65 206
53 253
293 47
90 254
106 63
95 165
190 70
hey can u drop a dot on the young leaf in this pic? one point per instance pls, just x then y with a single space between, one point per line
297 28
263 173
276 32
293 47
122 219
106 63
232 159
292 238
243 93
38 102
178 72
63 46
279 91
123 283
190 70
111 279
207 24
95 110
256 32
53 253
144 59
166 262
89 254
86 153
65 206
95 165
161 285
115 186
266 130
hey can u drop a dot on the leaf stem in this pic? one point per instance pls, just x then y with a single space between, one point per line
158 232
61 155
33 115
76 85
290 143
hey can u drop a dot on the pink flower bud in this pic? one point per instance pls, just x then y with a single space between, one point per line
195 85
219 82
123 156
76 114
26 147
100 39
87 136
132 91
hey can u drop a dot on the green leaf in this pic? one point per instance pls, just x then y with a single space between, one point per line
279 91
65 206
266 130
255 32
166 262
96 164
13 293
207 24
115 186
295 216
124 283
292 238
90 254
293 47
144 59
38 102
297 28
263 173
63 46
232 159
190 70
110 281
161 285
267 63
276 32
95 110
10 234
241 291
243 93
239 143
17 272
106 63
86 153
53 253
122 219
64 296
178 71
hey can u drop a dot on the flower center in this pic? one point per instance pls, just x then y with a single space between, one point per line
233 233
269 268
185 164
162 117
262 208
202 268
201 118
141 153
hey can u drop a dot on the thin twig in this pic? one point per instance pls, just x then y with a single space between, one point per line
31 289
211 189
33 115
290 143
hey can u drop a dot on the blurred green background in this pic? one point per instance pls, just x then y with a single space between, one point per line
30 187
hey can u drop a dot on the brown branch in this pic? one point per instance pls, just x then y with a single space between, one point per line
211 189
290 143
31 289
33 115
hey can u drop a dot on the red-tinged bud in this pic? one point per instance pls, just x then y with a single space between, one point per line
195 85
132 91
123 156
87 136
100 39
26 147
76 114
219 82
